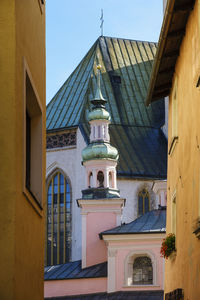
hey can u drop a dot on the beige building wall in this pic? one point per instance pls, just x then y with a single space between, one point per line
22 63
183 206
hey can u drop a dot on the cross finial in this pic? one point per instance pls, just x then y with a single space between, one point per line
102 20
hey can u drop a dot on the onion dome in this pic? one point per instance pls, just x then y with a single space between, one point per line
99 114
99 151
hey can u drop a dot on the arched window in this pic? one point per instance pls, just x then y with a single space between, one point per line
58 233
142 271
143 202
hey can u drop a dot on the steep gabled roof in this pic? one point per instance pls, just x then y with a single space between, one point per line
122 60
152 222
126 67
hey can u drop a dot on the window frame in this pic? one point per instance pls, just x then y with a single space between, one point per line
174 117
174 212
42 5
49 180
128 267
34 196
138 196
134 261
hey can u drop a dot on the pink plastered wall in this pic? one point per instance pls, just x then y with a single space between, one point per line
55 288
96 250
134 248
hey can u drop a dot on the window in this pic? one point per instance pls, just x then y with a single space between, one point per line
173 213
32 144
142 271
143 202
41 4
58 229
174 111
140 268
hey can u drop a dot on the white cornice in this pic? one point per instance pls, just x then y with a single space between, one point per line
133 237
100 202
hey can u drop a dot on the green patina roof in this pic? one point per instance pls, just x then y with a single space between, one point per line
135 128
98 114
99 151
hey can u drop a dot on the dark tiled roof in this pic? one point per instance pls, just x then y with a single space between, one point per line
73 270
152 222
126 67
136 295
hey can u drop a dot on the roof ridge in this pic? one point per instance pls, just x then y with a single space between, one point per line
127 39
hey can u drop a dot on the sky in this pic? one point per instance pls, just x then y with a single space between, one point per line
72 27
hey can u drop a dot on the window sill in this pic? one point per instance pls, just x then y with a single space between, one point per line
141 286
33 201
172 144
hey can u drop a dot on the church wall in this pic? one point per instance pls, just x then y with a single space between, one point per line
69 160
129 190
56 288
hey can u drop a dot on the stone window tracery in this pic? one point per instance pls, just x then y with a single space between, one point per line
61 140
143 202
58 227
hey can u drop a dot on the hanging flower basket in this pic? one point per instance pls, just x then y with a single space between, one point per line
168 245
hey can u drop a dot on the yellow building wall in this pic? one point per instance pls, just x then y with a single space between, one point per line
22 45
183 270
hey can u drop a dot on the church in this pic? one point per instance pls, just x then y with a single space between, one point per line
106 215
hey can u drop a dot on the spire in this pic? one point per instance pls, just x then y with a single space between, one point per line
98 100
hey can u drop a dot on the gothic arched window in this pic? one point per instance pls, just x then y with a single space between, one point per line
143 202
58 230
142 271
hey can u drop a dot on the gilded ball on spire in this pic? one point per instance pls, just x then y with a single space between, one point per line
99 67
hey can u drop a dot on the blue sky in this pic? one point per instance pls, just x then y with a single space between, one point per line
72 26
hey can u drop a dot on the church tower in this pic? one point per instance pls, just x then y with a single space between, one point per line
101 203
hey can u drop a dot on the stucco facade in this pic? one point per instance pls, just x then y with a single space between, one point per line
183 166
180 37
22 83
